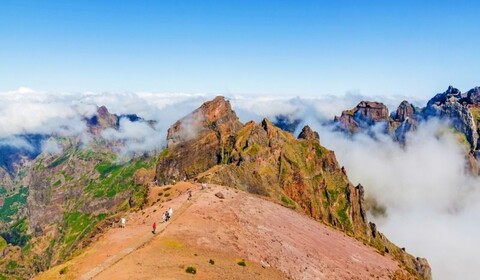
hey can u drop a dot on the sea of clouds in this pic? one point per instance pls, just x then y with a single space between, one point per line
432 205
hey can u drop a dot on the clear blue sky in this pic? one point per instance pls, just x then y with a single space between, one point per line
247 47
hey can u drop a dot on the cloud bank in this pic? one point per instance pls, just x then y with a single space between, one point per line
432 205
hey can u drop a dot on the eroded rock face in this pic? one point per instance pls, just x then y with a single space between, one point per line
404 111
201 140
447 106
363 116
473 96
265 160
101 121
308 134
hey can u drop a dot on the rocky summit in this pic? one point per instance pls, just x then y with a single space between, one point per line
211 145
460 110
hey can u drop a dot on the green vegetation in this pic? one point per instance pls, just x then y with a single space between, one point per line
63 270
13 203
59 161
22 173
191 270
475 113
77 225
87 154
16 233
332 195
12 265
115 178
242 263
163 153
57 183
287 201
3 243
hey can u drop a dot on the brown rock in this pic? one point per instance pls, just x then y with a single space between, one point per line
404 111
308 134
220 195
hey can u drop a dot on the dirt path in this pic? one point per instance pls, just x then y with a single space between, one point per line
117 243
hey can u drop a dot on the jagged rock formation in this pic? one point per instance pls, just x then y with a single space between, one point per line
363 116
265 160
368 114
101 121
201 139
461 110
453 106
308 134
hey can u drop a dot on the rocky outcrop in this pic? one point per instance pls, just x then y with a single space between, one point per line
368 114
201 139
101 121
473 96
363 116
265 160
448 106
308 134
405 111
461 110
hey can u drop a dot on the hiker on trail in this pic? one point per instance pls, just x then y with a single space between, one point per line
189 195
203 186
164 217
170 212
154 227
123 221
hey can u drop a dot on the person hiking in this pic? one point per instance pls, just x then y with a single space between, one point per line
170 212
123 221
189 195
154 227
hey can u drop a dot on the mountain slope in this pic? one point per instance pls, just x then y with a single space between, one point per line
57 199
275 242
265 160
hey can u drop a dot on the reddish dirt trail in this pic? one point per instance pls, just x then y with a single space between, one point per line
275 242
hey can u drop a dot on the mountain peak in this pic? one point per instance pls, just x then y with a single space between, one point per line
308 134
215 115
101 120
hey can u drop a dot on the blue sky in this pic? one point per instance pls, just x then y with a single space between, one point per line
304 48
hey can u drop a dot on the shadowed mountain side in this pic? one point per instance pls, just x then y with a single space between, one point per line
265 160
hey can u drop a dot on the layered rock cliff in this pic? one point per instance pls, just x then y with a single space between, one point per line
211 145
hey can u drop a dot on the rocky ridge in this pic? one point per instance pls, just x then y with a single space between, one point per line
265 160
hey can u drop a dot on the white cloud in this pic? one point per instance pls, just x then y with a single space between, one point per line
433 205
